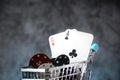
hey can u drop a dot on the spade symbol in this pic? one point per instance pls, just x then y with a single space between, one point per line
73 53
67 35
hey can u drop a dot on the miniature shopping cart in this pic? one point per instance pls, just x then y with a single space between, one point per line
74 71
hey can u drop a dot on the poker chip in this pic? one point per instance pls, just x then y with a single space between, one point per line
39 59
46 65
60 60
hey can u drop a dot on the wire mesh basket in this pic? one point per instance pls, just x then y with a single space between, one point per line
72 71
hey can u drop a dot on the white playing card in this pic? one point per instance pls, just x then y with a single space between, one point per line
73 43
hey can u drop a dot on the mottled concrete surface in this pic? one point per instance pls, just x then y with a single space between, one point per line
25 26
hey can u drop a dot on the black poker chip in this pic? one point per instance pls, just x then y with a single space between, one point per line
61 60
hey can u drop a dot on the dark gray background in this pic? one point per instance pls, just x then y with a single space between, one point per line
25 26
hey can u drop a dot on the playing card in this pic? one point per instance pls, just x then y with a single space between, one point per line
73 43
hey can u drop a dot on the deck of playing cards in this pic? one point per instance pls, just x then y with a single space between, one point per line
75 44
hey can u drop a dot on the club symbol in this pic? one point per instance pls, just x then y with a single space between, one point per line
73 53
